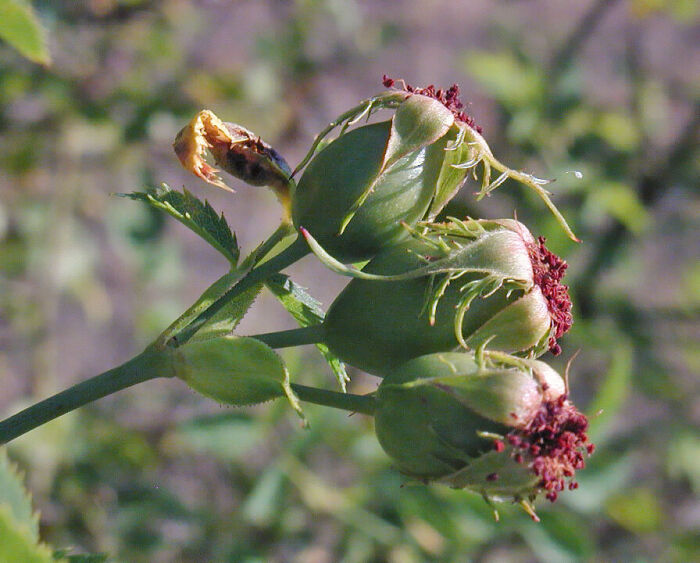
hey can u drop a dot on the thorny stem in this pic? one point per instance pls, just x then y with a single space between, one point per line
294 252
150 364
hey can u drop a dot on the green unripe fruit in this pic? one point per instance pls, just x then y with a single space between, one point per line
338 176
491 296
424 430
357 191
498 425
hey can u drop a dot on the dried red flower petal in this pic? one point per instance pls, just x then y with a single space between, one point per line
548 270
555 442
449 98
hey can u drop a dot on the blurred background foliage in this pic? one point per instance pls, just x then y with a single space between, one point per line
600 95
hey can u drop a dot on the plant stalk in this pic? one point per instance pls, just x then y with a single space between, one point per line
364 404
294 252
293 337
150 364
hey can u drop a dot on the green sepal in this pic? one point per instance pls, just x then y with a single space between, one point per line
451 177
479 152
473 256
426 431
418 122
195 214
504 395
515 481
524 325
307 312
236 371
364 109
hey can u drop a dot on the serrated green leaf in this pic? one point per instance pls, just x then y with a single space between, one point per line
17 544
14 495
236 371
20 27
307 312
195 214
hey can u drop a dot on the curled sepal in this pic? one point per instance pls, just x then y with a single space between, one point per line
236 150
490 255
475 150
236 371
364 110
469 149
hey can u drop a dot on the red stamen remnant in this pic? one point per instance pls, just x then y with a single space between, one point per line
448 98
554 443
492 477
498 446
548 270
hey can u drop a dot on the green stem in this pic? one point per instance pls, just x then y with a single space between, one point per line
293 337
258 255
294 252
148 365
284 230
364 404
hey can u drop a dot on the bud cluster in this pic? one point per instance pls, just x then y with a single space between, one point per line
451 314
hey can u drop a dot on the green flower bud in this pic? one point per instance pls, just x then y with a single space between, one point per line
234 370
355 193
462 283
353 200
495 424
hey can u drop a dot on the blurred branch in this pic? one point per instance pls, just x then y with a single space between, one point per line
73 12
583 31
652 185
